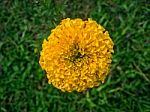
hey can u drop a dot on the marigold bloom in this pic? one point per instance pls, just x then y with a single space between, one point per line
77 55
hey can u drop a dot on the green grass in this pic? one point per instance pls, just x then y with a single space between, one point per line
23 85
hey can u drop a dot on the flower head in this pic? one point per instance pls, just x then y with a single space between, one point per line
77 55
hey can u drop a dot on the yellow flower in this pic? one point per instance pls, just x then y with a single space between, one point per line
77 55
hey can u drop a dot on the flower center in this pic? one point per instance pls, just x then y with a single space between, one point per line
75 54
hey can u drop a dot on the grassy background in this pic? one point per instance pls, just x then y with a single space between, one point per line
23 85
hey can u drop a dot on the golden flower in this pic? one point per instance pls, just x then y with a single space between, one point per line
77 55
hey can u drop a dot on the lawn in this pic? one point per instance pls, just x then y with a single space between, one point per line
25 24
